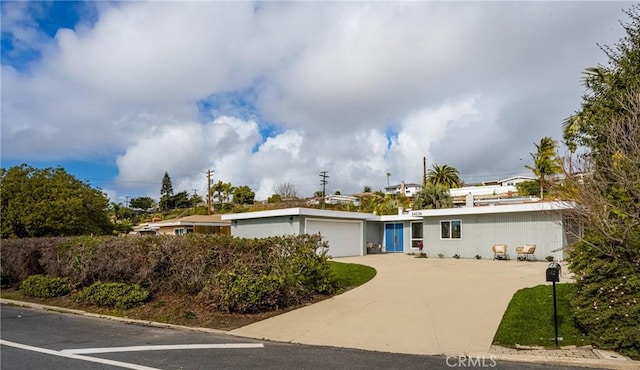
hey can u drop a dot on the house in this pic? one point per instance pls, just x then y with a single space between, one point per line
336 199
200 224
490 190
408 190
345 231
465 231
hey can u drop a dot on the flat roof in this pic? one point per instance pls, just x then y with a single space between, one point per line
507 208
298 212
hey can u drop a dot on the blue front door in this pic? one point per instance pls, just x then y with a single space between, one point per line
393 237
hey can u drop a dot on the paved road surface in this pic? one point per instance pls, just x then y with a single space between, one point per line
35 339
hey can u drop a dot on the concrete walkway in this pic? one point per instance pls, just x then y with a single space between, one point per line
413 305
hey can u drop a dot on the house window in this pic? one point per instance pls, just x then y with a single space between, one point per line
183 230
450 229
416 234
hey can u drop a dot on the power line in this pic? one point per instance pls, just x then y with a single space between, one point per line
324 183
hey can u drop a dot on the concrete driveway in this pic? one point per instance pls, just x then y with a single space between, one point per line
413 305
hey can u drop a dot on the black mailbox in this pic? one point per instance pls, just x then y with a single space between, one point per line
553 272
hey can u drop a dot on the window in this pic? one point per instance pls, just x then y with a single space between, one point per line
183 231
416 234
451 229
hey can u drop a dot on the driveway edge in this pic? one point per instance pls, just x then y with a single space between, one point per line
548 360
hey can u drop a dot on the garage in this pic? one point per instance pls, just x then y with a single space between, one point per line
344 236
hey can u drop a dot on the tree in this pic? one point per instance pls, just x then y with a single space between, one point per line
243 195
531 187
432 196
546 162
605 184
286 190
317 194
366 189
444 175
50 202
606 89
217 191
167 188
227 190
181 200
166 193
275 198
142 203
195 200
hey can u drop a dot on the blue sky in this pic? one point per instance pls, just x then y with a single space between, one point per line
118 93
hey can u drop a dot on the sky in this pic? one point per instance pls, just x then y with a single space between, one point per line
265 93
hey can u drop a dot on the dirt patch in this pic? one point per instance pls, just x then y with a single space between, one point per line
166 308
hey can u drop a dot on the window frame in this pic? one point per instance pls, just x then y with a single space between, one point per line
414 239
451 229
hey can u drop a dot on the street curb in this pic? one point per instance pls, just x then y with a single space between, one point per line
548 360
114 318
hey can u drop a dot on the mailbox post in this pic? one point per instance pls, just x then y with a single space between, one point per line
553 275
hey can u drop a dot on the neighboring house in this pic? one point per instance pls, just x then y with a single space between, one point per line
200 224
490 190
336 199
465 231
408 190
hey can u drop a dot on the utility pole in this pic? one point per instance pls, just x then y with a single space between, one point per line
424 170
126 200
209 174
195 192
323 182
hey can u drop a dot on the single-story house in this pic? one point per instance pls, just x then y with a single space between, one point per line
465 231
200 224
345 231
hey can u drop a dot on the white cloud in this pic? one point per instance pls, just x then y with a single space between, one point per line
472 85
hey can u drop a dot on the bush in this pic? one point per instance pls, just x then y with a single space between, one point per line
43 286
170 264
246 292
116 295
607 301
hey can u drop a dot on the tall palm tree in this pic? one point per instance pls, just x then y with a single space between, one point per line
217 191
432 196
227 190
444 175
545 162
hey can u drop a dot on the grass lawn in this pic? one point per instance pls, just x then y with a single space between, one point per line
529 318
351 275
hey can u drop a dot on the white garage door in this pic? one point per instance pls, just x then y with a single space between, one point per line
344 237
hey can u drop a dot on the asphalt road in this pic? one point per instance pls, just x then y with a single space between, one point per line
35 339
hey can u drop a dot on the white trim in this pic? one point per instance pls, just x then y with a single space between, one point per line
298 212
508 208
411 238
361 223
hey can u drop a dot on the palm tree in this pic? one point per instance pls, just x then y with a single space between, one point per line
545 162
217 190
444 175
227 190
432 196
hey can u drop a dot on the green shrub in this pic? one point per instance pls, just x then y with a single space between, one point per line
607 301
245 291
116 295
43 286
164 263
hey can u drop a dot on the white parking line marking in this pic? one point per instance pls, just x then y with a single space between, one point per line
76 357
162 348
